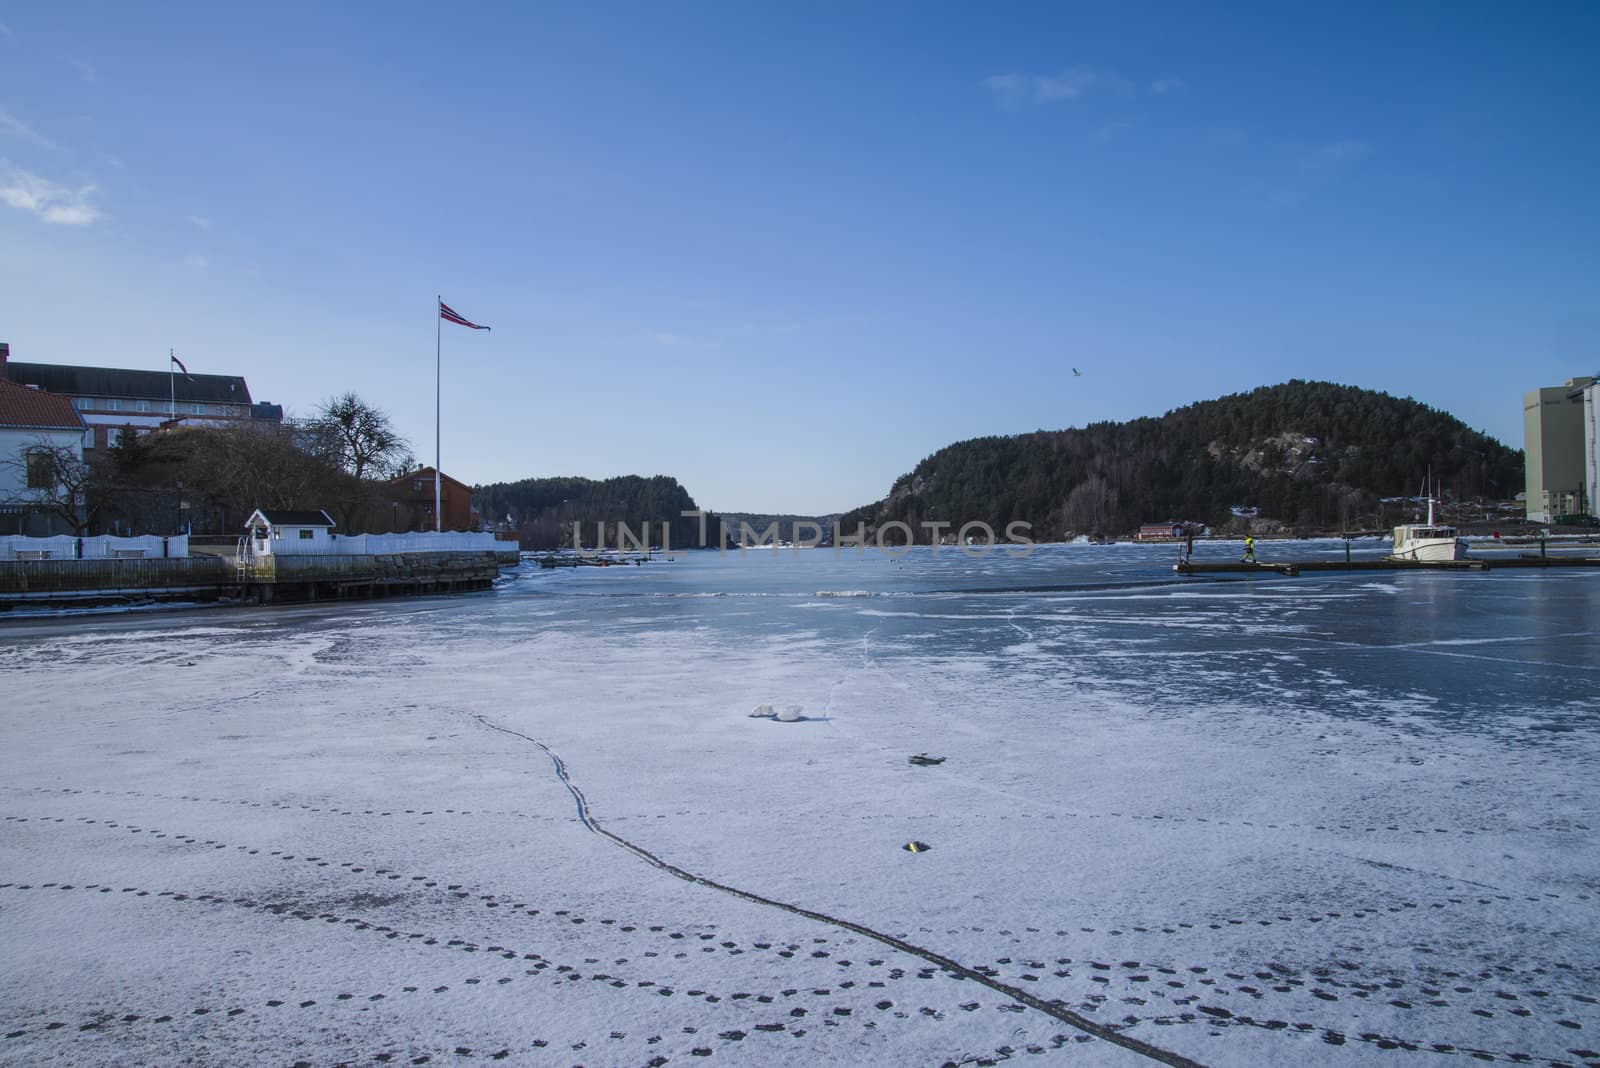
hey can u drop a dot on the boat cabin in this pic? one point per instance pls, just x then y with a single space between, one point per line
268 529
1411 534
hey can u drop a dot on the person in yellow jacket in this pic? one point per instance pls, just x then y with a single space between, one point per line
1249 550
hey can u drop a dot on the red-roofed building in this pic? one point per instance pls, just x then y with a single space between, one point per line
411 502
36 430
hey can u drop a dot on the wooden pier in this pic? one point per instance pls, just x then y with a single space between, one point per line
1296 567
549 560
258 580
278 577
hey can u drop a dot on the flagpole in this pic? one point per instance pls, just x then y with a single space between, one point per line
438 332
172 387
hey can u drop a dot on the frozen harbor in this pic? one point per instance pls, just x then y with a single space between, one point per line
1336 820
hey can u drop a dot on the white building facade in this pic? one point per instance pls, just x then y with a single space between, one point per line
33 424
1554 451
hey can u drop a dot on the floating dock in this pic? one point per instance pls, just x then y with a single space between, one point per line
1295 567
549 560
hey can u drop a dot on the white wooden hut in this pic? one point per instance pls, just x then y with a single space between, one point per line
282 530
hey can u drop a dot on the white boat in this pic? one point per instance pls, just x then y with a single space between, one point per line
1427 541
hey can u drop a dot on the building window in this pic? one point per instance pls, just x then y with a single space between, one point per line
88 438
113 437
40 470
305 535
197 409
110 404
144 406
416 485
83 404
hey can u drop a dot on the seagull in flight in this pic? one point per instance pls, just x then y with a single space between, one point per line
1076 373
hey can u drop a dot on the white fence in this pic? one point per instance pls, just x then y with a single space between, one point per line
384 544
104 547
152 546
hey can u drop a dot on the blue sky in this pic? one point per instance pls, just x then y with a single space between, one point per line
784 252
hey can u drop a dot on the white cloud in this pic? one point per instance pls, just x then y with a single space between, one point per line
198 220
50 202
1068 85
1008 88
10 124
1014 90
1315 171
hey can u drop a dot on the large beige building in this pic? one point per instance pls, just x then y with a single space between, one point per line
1591 445
1559 480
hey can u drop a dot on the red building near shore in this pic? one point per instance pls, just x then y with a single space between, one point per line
411 502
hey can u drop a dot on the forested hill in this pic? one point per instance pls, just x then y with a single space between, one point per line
1309 454
782 525
542 510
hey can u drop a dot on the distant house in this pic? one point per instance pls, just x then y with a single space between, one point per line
306 531
32 422
411 502
1160 532
110 399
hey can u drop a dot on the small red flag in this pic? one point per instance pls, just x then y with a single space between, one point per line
182 368
449 315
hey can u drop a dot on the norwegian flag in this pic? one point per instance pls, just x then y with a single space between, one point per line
450 315
182 368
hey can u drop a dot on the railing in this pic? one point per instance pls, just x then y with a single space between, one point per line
39 577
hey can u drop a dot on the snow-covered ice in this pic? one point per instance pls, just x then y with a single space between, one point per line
1320 820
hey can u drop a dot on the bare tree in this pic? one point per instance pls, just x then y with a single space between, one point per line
1091 507
360 438
219 473
58 480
